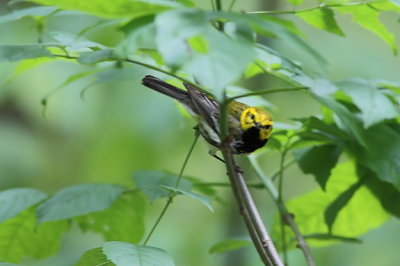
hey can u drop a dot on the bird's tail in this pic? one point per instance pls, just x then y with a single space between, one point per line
166 89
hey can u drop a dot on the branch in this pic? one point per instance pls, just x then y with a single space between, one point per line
258 233
284 212
251 216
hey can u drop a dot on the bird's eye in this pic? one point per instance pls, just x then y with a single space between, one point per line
267 126
252 117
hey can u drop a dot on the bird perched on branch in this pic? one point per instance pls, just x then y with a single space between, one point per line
249 127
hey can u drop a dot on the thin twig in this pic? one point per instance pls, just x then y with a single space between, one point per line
172 194
322 5
267 91
284 212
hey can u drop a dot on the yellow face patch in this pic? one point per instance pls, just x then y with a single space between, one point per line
259 118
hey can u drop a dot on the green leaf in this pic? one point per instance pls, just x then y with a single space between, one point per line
345 119
122 221
94 257
126 254
322 18
140 34
229 245
14 201
96 56
387 194
362 213
234 48
203 199
8 264
21 237
78 200
368 18
75 43
112 9
318 161
27 12
339 203
19 52
382 153
375 106
150 183
198 44
268 27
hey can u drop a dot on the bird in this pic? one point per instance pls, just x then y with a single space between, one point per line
249 127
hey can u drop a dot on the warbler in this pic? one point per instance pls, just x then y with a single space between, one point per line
249 127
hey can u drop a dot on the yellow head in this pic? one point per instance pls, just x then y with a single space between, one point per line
258 118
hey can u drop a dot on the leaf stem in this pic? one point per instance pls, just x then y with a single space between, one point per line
267 91
172 194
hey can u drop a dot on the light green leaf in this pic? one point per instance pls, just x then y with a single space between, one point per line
78 200
339 203
140 34
362 213
318 161
20 237
322 18
14 201
203 199
75 43
199 44
150 183
374 105
112 9
368 18
126 254
229 245
94 257
295 2
227 54
20 52
27 12
122 221
96 56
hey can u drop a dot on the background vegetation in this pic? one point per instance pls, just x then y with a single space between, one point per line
81 140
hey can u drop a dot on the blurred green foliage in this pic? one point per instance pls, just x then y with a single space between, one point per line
98 125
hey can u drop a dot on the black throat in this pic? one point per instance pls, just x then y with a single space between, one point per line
251 140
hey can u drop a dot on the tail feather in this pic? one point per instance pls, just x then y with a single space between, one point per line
166 89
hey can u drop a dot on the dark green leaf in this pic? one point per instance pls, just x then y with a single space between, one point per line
112 9
14 201
344 118
338 204
94 257
386 193
203 199
20 52
78 200
229 245
382 153
150 183
374 105
318 161
122 221
21 237
126 254
322 18
96 56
